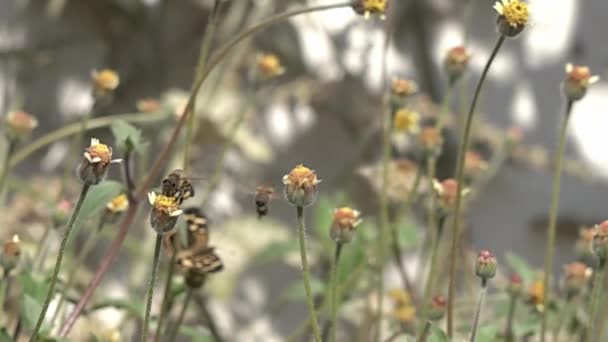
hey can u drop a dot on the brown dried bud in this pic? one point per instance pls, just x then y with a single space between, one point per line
269 66
301 186
446 192
578 79
576 276
403 88
430 140
344 224
456 62
94 166
165 211
485 267
20 124
11 251
600 241
436 308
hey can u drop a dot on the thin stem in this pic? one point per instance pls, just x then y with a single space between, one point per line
459 178
430 279
3 289
181 316
128 174
155 263
164 307
482 296
334 294
64 242
201 302
200 68
596 297
510 316
445 105
425 332
306 273
163 156
42 246
550 251
12 144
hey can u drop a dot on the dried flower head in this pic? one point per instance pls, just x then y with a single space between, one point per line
576 276
485 267
301 186
436 308
446 192
584 244
104 81
513 16
94 165
536 295
148 105
514 288
344 223
20 124
11 251
269 66
118 204
368 7
165 211
403 88
456 62
406 121
430 140
578 79
600 241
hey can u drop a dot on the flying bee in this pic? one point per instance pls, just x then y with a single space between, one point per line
263 195
179 186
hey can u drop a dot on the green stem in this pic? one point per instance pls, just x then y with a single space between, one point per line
200 69
596 297
64 242
12 144
306 273
164 307
42 247
202 304
334 294
553 211
425 332
445 105
510 316
155 263
3 290
181 316
482 296
459 178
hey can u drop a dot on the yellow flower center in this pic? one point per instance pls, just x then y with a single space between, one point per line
302 176
118 204
515 12
106 79
375 6
270 65
406 121
165 203
102 151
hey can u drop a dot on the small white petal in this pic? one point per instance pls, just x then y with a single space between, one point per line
151 197
95 160
569 68
15 238
498 7
286 180
87 156
593 79
176 213
115 161
94 141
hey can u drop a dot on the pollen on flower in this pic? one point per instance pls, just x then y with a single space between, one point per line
118 204
344 223
300 176
515 12
98 152
105 79
301 186
166 204
269 65
406 120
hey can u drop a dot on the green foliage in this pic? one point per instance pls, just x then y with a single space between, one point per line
4 336
96 200
295 291
519 265
275 251
436 334
128 137
196 334
487 333
34 294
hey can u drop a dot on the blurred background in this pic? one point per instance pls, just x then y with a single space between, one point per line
323 111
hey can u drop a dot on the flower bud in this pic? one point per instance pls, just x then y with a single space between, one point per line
401 89
105 81
578 79
344 224
165 211
485 267
576 276
456 62
513 17
11 251
369 7
436 308
269 66
406 121
430 141
61 213
584 244
446 192
148 105
600 241
94 165
301 186
514 288
20 124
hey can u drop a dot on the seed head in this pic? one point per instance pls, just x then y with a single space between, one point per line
105 81
576 276
578 79
456 62
485 267
20 124
165 211
11 251
94 165
514 288
436 308
269 66
301 186
512 16
446 192
118 204
368 7
584 244
406 121
430 140
600 241
344 224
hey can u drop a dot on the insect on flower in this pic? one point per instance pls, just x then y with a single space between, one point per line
178 186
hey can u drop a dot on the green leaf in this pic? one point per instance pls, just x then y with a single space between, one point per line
322 221
128 137
96 200
520 266
275 251
30 310
409 235
296 291
196 334
437 335
487 333
4 336
33 287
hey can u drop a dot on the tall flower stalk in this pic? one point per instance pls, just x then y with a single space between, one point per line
600 247
334 293
150 294
485 269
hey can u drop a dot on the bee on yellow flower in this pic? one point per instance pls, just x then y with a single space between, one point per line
406 121
369 7
513 16
165 211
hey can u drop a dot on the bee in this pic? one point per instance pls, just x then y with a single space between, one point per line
263 195
178 186
198 257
